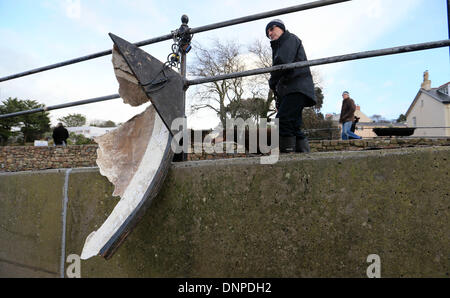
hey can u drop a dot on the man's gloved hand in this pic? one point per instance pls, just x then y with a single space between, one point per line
272 84
273 87
277 100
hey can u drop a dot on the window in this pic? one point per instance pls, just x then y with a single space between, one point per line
414 122
444 89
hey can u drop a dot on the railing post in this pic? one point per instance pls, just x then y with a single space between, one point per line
448 20
183 71
184 75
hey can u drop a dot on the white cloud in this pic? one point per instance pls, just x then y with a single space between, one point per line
73 9
388 84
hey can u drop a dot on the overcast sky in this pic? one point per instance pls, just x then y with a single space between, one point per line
35 33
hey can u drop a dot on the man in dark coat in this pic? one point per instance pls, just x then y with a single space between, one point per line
293 89
60 135
347 117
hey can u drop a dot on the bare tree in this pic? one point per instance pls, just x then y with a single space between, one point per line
376 118
263 59
223 97
259 86
227 98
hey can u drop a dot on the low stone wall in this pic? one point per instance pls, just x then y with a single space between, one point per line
338 145
16 159
372 144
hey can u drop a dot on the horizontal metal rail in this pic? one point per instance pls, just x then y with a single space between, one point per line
323 129
359 126
448 20
62 106
427 137
335 59
430 127
382 138
219 25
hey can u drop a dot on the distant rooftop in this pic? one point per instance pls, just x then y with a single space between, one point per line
441 94
358 113
438 94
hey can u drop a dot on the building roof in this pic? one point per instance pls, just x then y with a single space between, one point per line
439 96
433 93
358 113
363 117
443 85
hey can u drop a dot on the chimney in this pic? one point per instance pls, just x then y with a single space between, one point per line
426 81
358 108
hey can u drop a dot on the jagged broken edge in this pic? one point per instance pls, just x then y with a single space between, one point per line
167 101
108 250
136 216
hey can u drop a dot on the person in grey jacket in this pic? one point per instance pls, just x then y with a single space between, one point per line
293 89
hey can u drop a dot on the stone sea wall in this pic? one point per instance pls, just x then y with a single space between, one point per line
17 159
314 215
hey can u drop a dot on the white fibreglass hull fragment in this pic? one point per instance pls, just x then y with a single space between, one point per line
133 182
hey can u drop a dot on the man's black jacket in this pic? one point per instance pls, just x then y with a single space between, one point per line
60 134
288 49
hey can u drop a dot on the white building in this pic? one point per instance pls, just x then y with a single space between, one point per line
429 110
90 131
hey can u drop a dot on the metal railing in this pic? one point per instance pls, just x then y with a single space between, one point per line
214 26
335 132
297 8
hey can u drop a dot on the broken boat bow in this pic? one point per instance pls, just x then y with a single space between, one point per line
136 157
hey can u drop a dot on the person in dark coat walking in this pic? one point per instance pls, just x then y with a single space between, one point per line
347 117
293 89
60 135
356 121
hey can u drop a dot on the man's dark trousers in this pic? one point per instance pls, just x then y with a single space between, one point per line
290 115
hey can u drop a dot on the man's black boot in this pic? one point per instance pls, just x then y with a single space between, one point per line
302 145
287 144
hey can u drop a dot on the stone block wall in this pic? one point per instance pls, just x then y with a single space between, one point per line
17 159
317 215
337 145
373 144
